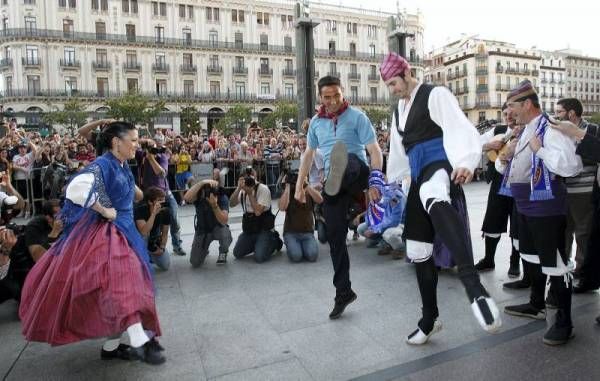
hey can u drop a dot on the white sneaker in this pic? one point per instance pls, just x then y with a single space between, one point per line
487 314
419 337
222 259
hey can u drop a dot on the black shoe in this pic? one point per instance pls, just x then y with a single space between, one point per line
517 285
341 302
551 302
514 271
179 251
583 287
122 352
598 319
558 335
526 310
150 353
157 344
485 265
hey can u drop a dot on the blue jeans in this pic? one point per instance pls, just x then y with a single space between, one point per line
163 261
175 229
301 246
372 241
263 245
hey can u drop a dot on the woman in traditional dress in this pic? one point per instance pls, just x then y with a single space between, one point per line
96 280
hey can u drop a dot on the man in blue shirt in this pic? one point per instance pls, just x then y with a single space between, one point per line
342 133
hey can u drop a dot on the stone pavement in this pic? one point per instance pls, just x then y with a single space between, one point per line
246 321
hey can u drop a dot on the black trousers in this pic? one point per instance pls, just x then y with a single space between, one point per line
335 211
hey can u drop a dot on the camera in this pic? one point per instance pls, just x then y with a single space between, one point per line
17 229
207 190
249 181
157 150
291 178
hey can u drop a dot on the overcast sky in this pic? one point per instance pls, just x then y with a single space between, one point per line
549 24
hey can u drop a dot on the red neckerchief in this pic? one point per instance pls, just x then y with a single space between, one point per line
323 113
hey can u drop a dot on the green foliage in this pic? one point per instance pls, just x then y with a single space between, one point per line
73 115
595 118
236 117
134 108
190 119
284 111
377 116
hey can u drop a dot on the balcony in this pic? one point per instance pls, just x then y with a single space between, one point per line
499 69
457 74
501 87
214 69
483 104
160 68
188 68
6 63
481 89
101 65
240 70
288 72
31 62
355 56
511 70
535 73
334 74
461 90
481 71
132 66
544 80
265 71
373 77
69 64
353 76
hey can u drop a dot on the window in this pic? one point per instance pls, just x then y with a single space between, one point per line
240 89
289 90
264 64
215 88
102 86
373 70
289 65
265 88
331 26
333 69
71 85
161 87
159 34
239 62
163 9
262 18
214 61
30 2
130 32
30 24
132 84
69 56
134 6
190 12
101 57
239 40
372 50
481 116
332 48
155 8
131 58
125 6
188 88
353 49
160 60
187 36
373 91
372 31
213 38
33 84
187 60
31 55
182 11
68 28
264 42
61 3
212 14
8 84
237 16
100 30
352 28
5 23
287 43
354 93
72 4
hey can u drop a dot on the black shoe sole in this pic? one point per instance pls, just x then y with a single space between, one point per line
521 314
337 316
557 342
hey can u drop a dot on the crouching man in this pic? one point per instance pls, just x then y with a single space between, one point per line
212 215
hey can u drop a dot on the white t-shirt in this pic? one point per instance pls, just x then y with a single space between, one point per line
25 161
263 197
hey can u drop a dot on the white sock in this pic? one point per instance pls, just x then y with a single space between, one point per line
137 336
111 344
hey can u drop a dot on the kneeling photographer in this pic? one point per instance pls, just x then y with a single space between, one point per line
299 225
152 219
212 214
258 234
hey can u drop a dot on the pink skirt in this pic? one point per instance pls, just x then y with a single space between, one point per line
94 287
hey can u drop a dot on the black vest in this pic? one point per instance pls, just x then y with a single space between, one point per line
419 126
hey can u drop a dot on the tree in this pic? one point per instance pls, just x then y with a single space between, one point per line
190 119
377 116
595 118
73 115
134 108
236 117
284 112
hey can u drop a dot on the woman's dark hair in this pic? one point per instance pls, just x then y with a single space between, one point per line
110 131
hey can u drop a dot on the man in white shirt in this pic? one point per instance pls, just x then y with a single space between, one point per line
434 144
